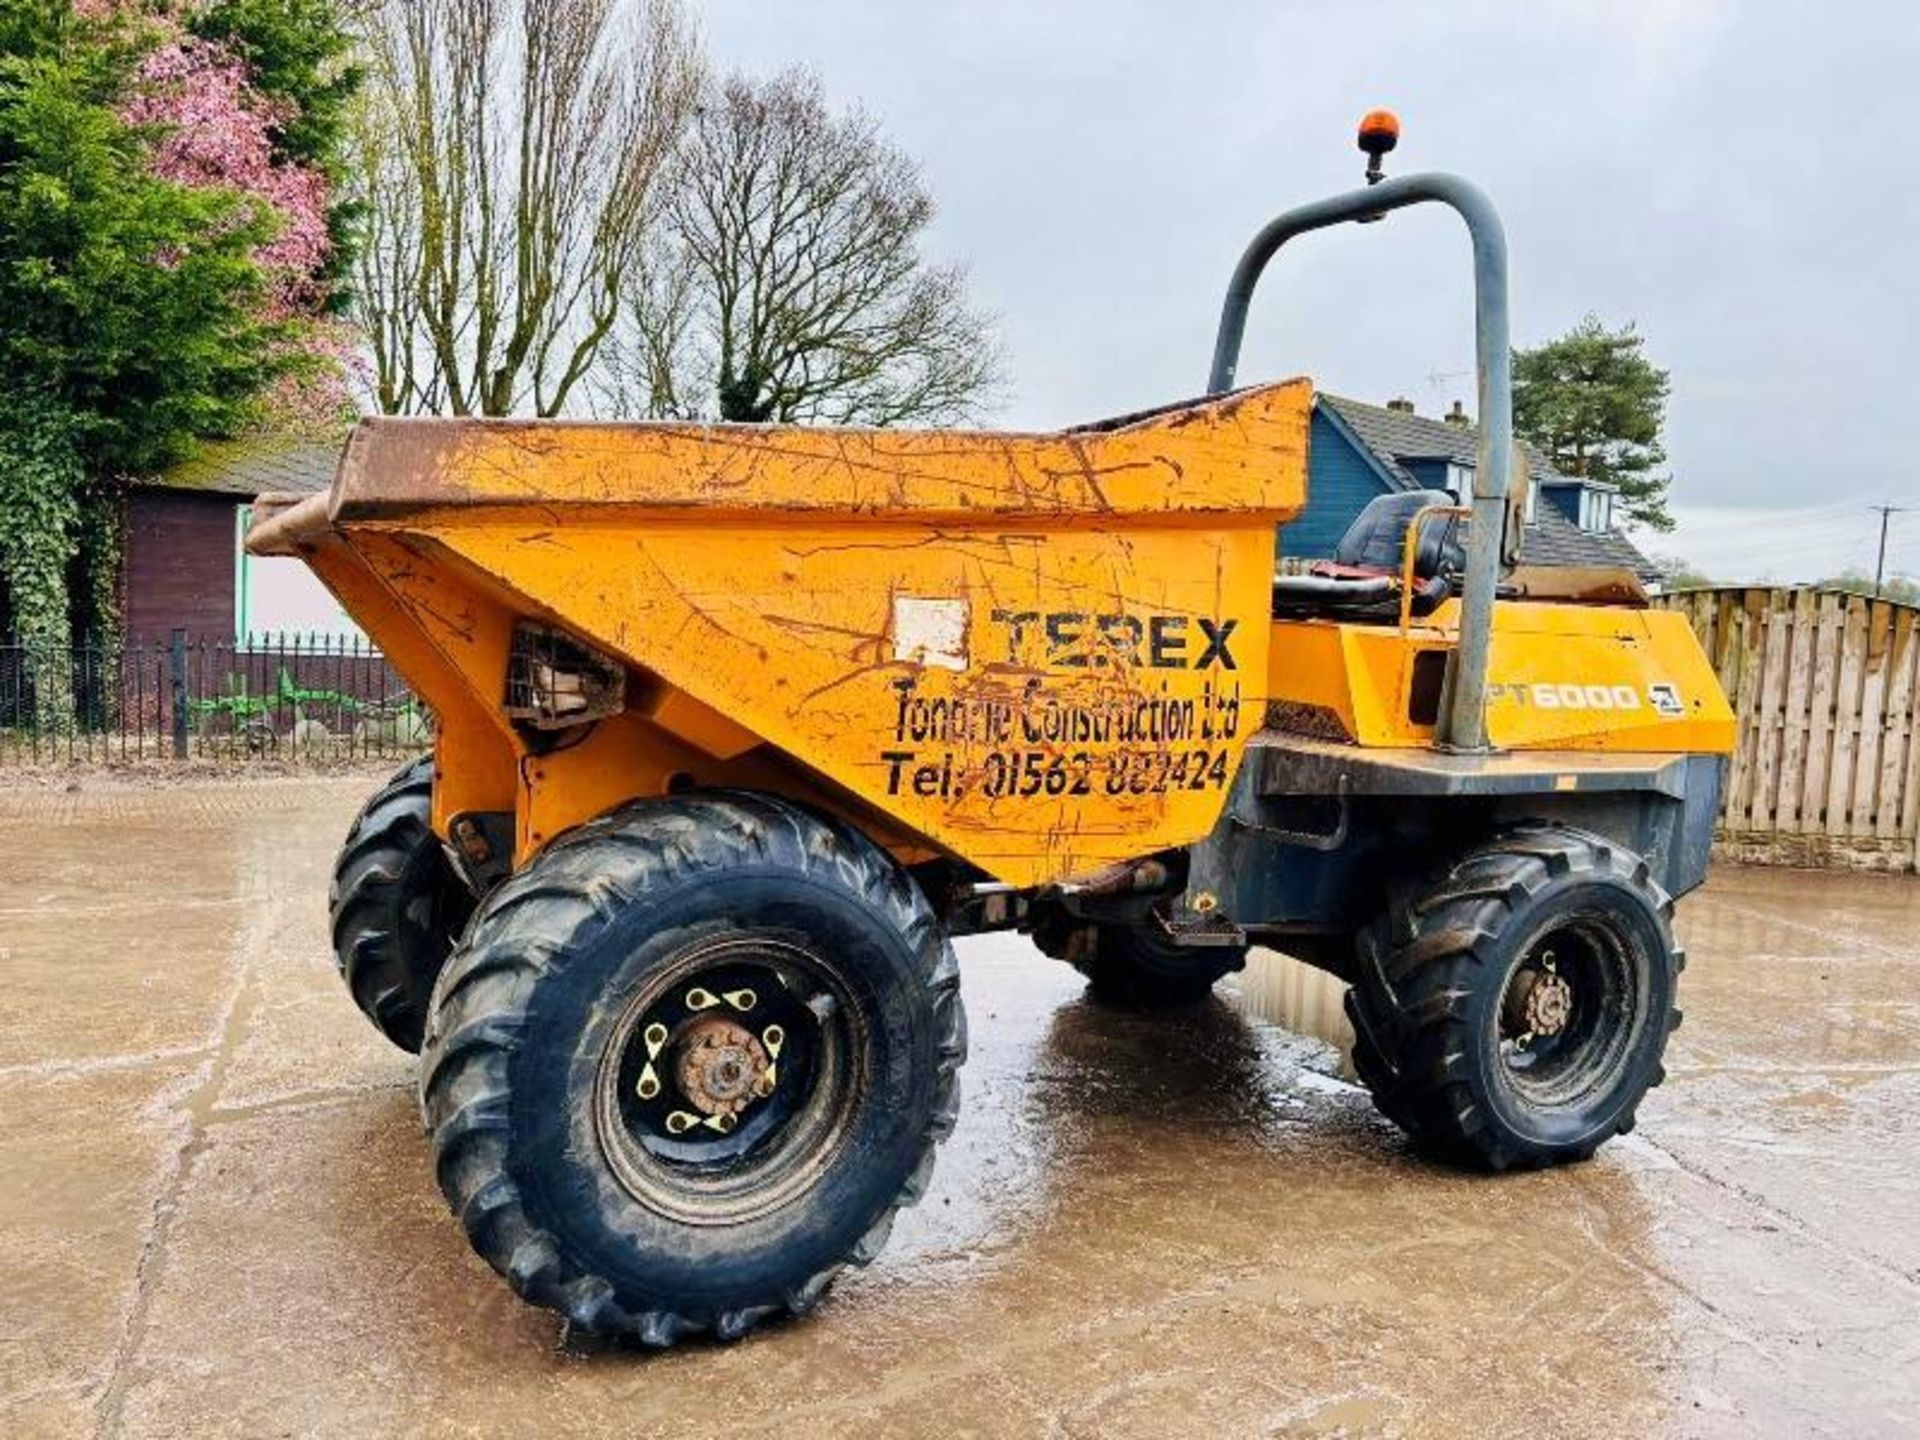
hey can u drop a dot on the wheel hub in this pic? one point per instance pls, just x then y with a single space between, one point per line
1538 1004
722 1067
1549 1005
727 1079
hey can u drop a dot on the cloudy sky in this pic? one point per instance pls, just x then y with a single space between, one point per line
1736 178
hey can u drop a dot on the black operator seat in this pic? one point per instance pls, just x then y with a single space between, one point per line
1362 582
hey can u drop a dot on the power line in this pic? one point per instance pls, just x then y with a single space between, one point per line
1743 522
1803 546
1756 537
1804 535
1832 507
1776 528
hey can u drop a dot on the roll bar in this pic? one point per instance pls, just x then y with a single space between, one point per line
1463 719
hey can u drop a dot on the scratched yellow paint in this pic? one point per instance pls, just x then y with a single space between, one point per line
1043 746
1038 653
1241 456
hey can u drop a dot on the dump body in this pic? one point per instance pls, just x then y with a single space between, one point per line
1037 654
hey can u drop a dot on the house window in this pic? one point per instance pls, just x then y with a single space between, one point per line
277 599
1596 510
1459 484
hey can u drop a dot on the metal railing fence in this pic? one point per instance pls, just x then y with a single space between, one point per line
302 698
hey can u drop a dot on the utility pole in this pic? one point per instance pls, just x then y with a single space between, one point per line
1887 512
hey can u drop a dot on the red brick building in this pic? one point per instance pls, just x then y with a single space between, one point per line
182 566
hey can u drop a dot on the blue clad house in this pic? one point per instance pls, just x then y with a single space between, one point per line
1358 451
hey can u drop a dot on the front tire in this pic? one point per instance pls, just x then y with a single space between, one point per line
396 906
1514 1011
686 1065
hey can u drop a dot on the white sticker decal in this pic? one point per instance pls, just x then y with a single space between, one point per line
1666 699
930 632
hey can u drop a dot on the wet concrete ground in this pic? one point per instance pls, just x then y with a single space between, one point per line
217 1217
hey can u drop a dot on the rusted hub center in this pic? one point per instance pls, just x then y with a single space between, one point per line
1540 1003
722 1066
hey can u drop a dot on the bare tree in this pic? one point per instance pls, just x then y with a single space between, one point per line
388 267
787 282
509 155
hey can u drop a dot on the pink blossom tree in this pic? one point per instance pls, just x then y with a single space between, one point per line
214 127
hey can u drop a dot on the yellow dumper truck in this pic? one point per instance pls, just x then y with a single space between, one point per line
737 726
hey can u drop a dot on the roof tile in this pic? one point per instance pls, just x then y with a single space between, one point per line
250 467
1551 539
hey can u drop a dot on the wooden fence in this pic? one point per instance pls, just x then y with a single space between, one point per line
1827 689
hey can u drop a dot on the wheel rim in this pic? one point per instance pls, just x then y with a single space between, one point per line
1565 1020
728 1083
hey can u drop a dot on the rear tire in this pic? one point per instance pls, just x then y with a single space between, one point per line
1133 966
1514 1011
563 1085
396 906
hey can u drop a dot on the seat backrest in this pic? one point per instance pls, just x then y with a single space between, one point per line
1378 535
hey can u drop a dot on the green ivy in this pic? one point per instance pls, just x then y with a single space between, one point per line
40 480
93 582
130 323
